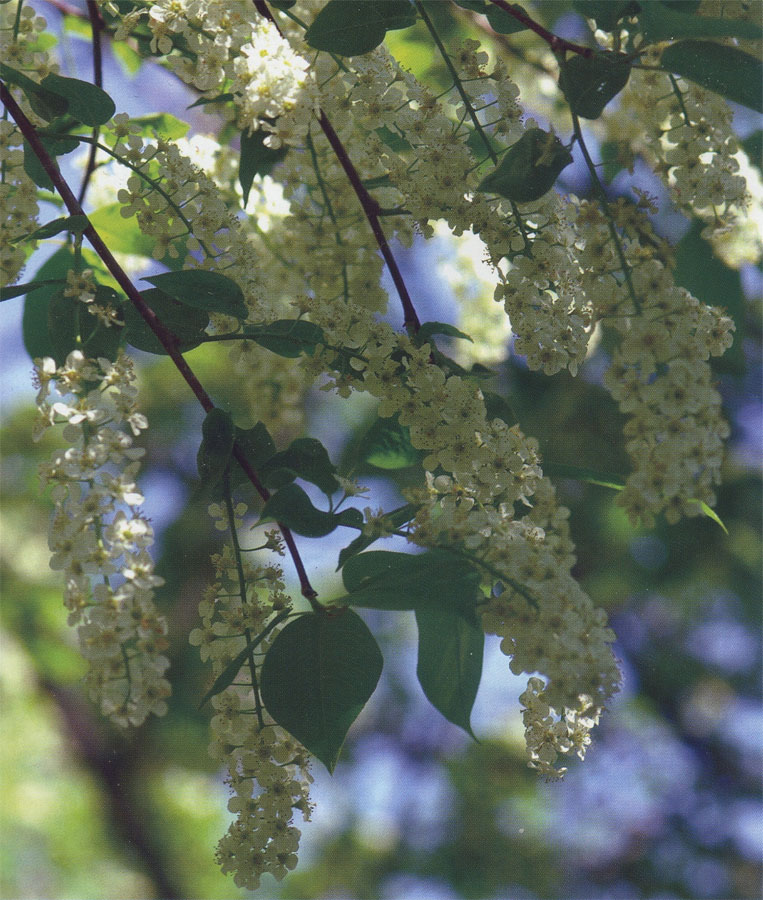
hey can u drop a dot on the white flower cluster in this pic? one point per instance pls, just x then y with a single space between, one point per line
546 621
660 374
18 193
98 537
228 47
268 770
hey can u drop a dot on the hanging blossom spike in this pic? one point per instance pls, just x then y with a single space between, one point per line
98 536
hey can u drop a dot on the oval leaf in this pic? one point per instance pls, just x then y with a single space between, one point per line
304 458
387 445
660 22
354 27
589 84
381 579
317 677
216 446
35 318
504 23
203 289
449 666
185 323
529 167
292 507
287 337
88 103
725 70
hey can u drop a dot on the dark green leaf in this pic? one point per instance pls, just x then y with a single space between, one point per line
428 329
706 277
477 6
186 323
282 4
449 667
659 22
75 224
35 170
611 160
203 289
589 84
63 325
387 445
498 407
99 339
529 167
384 580
292 507
393 140
287 337
256 444
256 159
207 101
753 147
45 103
607 13
503 22
317 676
88 103
18 290
725 70
354 27
35 320
304 458
213 457
394 519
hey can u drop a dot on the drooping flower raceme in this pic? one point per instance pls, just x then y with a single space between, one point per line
99 539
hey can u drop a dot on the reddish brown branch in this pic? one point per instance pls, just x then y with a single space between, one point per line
557 44
166 338
96 26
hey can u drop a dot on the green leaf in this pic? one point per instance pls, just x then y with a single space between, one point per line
394 519
214 454
207 101
392 140
35 320
589 84
128 58
97 338
203 289
88 103
660 22
186 323
35 169
256 444
753 147
710 513
18 290
282 4
120 234
502 22
498 407
303 458
256 159
580 473
354 27
287 337
381 579
45 103
708 279
292 507
387 445
72 224
449 666
317 677
529 167
428 329
477 6
162 124
63 325
725 70
607 13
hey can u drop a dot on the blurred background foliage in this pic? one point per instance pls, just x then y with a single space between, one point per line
668 802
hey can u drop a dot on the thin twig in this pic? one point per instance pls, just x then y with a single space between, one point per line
96 26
